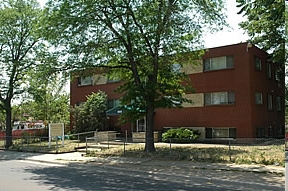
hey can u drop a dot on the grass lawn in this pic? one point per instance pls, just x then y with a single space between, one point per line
259 154
37 145
265 155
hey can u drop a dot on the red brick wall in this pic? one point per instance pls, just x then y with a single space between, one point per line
245 115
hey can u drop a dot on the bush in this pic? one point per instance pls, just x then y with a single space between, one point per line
91 115
180 135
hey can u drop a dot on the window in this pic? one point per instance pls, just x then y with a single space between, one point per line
111 79
279 76
85 81
269 71
278 103
218 63
269 102
219 98
113 103
141 125
176 68
257 62
270 131
258 98
260 132
221 132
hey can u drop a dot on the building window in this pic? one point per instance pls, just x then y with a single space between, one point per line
141 125
111 79
113 103
218 63
85 81
269 102
269 71
176 68
257 62
270 131
258 98
278 103
221 132
219 98
260 132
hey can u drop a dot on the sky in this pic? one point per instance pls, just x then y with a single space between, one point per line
225 37
228 36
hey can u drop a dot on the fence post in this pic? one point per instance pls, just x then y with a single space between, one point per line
86 144
22 143
230 150
170 149
56 144
124 147
108 139
78 139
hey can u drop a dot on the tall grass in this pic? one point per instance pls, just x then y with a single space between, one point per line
263 155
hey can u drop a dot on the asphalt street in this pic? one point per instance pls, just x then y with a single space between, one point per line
35 176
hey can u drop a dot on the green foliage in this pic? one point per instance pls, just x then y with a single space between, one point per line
139 49
265 25
91 115
20 42
2 119
55 108
180 135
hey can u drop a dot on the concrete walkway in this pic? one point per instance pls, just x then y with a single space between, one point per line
77 157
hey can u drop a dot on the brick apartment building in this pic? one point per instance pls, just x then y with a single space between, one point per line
239 94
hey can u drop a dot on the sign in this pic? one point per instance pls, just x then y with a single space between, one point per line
55 130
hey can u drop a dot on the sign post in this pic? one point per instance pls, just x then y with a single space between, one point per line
55 130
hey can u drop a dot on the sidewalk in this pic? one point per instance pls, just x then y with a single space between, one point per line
76 157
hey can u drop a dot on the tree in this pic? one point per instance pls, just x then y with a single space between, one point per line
46 93
139 41
2 119
56 110
265 25
19 42
91 116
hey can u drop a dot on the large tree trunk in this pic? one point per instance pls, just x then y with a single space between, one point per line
149 138
8 110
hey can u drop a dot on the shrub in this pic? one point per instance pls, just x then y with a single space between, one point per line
91 115
180 135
